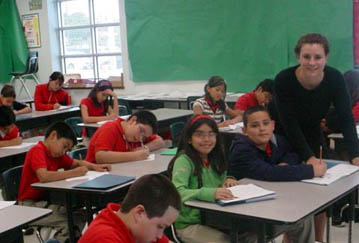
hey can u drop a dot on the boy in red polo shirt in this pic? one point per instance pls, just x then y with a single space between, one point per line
262 95
9 133
41 165
51 96
151 205
125 140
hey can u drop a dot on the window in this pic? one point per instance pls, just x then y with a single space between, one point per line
90 37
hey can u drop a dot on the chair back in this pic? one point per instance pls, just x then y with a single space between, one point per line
78 153
125 103
11 179
32 63
72 122
190 101
176 129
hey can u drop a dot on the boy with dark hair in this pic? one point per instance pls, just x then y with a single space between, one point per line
51 96
7 98
9 133
125 140
151 205
41 165
262 95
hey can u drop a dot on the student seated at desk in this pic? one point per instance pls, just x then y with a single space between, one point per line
262 95
7 98
213 103
125 140
51 96
9 133
151 204
199 172
41 165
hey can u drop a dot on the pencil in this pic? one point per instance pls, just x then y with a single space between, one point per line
321 153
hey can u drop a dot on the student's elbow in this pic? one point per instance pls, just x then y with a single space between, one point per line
42 175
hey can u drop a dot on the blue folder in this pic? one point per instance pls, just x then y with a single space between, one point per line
105 182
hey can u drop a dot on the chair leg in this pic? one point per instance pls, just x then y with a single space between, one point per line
35 78
26 89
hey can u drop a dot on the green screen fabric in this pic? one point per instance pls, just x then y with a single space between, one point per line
13 46
240 40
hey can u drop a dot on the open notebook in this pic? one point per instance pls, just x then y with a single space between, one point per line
247 193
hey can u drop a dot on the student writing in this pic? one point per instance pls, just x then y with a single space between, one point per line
9 133
8 97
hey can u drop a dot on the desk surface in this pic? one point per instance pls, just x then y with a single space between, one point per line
5 152
38 114
17 216
294 201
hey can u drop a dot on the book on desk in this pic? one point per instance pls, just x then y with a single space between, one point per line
246 194
105 182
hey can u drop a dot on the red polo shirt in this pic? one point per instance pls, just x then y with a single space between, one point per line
92 109
246 101
355 110
14 133
39 157
45 99
109 137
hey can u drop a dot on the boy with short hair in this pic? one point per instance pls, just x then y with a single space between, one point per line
262 95
125 140
51 96
41 165
151 204
8 97
9 133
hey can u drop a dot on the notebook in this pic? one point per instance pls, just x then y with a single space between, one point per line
105 182
171 151
247 193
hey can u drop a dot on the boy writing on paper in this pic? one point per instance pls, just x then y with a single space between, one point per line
7 98
41 165
9 133
125 140
151 204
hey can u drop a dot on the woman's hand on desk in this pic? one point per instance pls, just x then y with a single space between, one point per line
223 193
355 161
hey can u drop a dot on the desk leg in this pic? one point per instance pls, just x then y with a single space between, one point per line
351 215
234 230
70 218
329 222
261 233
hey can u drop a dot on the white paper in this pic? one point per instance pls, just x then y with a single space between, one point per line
247 192
232 127
4 204
21 146
62 107
91 174
150 157
102 122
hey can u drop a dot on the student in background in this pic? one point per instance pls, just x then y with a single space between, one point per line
151 204
213 103
51 96
41 165
262 95
199 172
9 133
96 107
7 98
125 140
261 155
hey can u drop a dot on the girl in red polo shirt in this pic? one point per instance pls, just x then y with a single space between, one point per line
101 103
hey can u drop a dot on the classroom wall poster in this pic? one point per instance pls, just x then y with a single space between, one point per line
35 4
31 25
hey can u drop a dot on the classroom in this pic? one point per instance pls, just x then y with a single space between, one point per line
209 99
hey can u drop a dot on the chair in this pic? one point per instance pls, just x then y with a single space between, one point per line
191 100
176 130
78 153
31 69
72 122
125 103
122 110
171 234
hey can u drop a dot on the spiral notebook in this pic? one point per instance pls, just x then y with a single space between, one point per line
105 182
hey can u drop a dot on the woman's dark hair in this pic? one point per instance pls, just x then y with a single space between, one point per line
351 79
8 91
57 76
101 86
215 81
312 38
216 157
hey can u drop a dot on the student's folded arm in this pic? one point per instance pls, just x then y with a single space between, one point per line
47 176
11 142
105 157
24 110
155 144
90 119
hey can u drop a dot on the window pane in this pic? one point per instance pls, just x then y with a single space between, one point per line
81 65
108 39
77 41
75 13
106 11
110 66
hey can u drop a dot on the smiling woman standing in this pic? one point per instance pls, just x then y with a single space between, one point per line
303 96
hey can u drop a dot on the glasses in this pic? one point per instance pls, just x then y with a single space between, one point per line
202 134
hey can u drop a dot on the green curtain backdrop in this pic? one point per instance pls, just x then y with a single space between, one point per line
13 46
243 41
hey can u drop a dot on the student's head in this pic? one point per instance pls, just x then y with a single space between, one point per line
7 119
264 92
101 91
59 138
140 125
153 203
7 95
258 125
56 80
215 89
351 79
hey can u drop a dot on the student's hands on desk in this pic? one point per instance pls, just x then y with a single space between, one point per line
355 161
230 182
56 106
223 194
141 153
319 167
101 167
79 171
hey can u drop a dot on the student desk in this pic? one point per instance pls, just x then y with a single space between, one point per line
7 152
294 201
135 168
37 119
14 217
